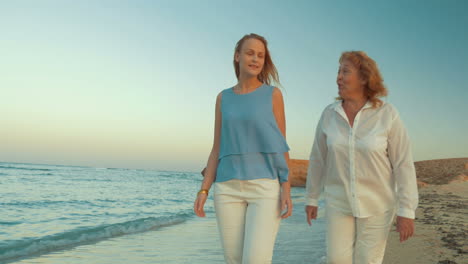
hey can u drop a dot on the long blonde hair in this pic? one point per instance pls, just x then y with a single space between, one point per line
269 73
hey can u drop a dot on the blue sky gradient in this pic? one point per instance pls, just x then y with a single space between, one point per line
133 83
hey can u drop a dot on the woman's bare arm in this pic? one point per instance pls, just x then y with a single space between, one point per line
212 165
278 111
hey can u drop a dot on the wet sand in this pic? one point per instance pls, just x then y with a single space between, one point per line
196 241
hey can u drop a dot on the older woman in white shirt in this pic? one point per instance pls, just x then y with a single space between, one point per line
361 160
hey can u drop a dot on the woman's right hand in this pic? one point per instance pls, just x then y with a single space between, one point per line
199 204
311 213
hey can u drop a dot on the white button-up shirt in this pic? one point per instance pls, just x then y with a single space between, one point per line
365 169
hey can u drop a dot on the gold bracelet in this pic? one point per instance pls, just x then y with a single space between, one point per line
203 191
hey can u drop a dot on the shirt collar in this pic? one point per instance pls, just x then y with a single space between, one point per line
339 107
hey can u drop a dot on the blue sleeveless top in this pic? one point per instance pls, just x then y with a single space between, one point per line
251 144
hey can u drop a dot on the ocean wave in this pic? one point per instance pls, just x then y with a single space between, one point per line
10 222
23 168
44 203
122 169
37 246
178 175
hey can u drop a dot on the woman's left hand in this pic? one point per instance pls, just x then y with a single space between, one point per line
286 203
405 226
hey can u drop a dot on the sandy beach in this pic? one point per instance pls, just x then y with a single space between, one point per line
441 218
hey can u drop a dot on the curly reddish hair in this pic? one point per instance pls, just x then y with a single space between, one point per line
369 72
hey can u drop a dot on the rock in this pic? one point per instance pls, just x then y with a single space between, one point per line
428 172
422 184
298 172
460 178
441 171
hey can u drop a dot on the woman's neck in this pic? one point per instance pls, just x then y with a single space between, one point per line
247 85
354 104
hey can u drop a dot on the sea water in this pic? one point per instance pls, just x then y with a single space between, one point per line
53 208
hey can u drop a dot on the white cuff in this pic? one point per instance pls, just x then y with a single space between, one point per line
310 201
406 213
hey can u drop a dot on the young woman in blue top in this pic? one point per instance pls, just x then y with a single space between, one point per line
248 161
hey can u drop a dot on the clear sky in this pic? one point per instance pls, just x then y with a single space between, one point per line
133 83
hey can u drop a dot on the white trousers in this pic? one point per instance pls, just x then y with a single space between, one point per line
361 239
248 216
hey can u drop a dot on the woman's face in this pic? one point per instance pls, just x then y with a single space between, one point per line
350 84
251 57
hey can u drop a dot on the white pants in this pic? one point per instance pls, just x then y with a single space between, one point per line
248 216
361 239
